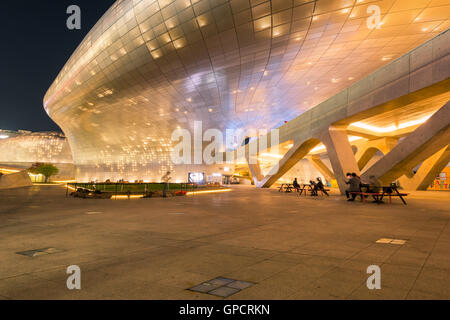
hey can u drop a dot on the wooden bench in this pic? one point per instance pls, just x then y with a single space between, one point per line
308 188
378 196
322 191
288 187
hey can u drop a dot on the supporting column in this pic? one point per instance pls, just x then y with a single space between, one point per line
290 159
340 153
321 167
427 172
368 150
425 141
255 172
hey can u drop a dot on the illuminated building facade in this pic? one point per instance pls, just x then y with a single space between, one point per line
149 67
22 149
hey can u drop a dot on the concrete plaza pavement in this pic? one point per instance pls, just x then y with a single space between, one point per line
290 247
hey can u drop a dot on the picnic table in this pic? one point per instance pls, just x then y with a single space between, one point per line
305 188
390 191
288 187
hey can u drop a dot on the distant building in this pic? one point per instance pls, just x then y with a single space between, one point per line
21 149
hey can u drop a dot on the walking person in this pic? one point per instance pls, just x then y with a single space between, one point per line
166 179
296 185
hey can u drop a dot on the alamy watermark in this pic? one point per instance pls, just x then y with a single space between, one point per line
222 147
74 280
373 22
74 20
374 281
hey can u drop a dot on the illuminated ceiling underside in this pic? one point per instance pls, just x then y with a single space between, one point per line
149 66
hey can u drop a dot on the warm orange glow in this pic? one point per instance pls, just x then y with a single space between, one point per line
207 191
140 196
321 147
392 127
3 170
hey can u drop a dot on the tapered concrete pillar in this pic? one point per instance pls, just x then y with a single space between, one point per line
321 167
427 172
368 150
290 159
255 172
341 154
425 141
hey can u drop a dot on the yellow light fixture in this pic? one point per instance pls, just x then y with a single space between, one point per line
207 192
125 197
322 147
272 155
390 128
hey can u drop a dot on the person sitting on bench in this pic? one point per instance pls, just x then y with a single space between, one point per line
313 188
321 187
375 186
355 186
295 184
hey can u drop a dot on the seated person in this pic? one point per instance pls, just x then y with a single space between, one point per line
374 185
355 186
295 184
320 186
313 188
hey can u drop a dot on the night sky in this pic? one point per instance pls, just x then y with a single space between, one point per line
35 44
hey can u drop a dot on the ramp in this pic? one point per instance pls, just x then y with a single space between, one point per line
15 180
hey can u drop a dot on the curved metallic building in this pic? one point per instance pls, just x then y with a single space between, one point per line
23 148
149 67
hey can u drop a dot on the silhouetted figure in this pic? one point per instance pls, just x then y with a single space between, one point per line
295 184
321 187
313 188
355 186
166 178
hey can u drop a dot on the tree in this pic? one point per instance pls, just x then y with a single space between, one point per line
47 170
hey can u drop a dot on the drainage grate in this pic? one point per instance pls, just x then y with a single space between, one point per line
39 252
391 241
222 287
